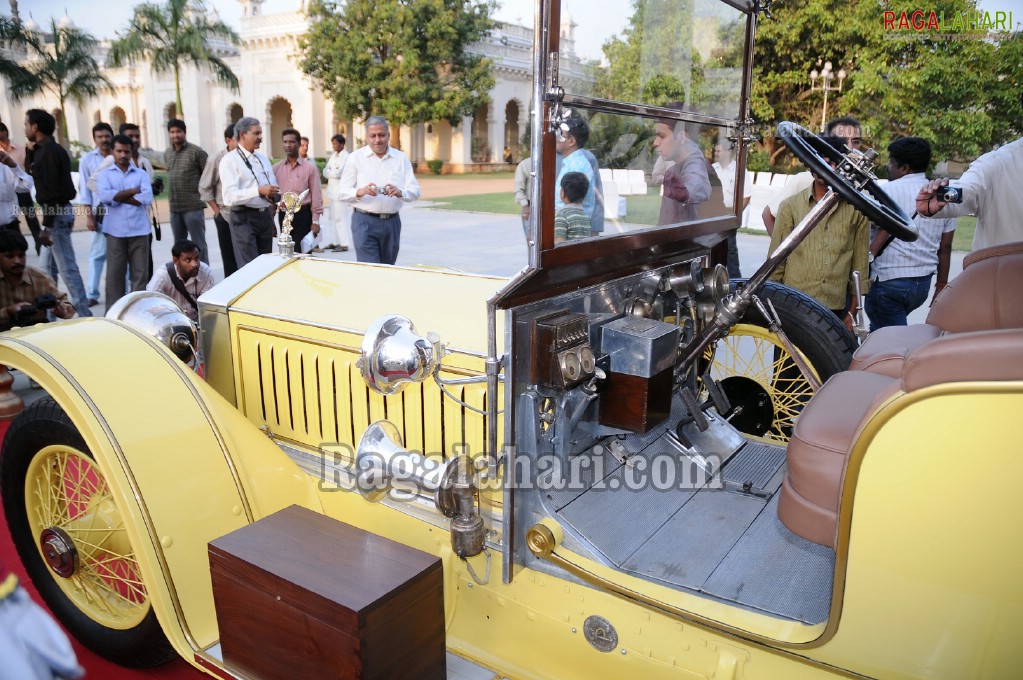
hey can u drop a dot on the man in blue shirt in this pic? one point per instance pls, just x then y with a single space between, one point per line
125 191
575 158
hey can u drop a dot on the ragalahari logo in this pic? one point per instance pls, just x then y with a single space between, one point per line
924 20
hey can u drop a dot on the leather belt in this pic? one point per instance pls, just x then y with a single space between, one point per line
382 216
245 208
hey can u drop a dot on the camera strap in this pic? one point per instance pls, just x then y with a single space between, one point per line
179 286
249 166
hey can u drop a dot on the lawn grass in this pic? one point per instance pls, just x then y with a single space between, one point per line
469 175
641 210
500 203
963 239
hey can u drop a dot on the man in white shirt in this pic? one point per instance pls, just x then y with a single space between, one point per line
250 193
17 152
89 166
336 230
725 168
902 270
13 181
523 190
376 181
991 191
211 191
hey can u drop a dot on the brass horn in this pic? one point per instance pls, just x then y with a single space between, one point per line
382 463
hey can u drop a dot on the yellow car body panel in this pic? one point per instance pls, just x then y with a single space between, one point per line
351 296
920 519
183 464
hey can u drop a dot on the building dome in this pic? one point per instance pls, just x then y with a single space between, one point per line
65 22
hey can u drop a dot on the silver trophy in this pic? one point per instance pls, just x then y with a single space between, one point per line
292 203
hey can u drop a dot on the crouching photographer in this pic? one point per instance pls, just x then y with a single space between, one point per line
25 292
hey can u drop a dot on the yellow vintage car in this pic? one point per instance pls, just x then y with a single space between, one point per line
627 466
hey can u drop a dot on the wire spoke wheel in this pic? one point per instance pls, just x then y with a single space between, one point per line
70 532
756 371
759 377
64 490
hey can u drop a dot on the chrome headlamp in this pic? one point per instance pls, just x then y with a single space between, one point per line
394 356
159 317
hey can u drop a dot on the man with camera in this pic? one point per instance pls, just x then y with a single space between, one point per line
377 181
250 193
25 292
901 274
989 189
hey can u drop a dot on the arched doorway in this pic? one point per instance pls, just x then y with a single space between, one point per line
279 115
480 149
234 113
511 128
169 111
117 118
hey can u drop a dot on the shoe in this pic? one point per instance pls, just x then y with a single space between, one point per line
341 249
92 302
316 249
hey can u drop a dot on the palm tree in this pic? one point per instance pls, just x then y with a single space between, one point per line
168 35
66 67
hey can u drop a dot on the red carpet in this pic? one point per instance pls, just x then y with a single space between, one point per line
95 667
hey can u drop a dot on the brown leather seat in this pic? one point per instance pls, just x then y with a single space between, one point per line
985 296
819 450
830 424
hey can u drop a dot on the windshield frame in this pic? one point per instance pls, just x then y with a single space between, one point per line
553 269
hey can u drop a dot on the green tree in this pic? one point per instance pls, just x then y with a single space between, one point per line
65 67
406 60
170 35
957 93
653 61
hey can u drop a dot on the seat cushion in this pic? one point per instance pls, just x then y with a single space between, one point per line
983 356
984 297
819 450
992 251
885 350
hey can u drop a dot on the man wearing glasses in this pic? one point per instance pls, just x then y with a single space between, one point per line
846 127
251 193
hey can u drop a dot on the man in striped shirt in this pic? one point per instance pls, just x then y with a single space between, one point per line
902 270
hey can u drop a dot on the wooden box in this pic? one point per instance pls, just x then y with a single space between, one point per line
635 403
300 595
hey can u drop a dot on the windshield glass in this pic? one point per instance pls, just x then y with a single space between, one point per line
655 52
651 168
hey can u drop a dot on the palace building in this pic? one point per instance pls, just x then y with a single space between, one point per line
272 89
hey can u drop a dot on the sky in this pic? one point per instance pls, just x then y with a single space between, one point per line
116 12
610 16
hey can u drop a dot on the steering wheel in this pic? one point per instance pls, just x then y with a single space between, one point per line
817 154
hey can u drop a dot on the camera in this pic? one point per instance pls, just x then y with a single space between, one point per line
950 194
27 313
157 186
274 198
